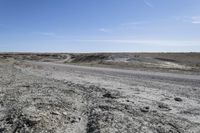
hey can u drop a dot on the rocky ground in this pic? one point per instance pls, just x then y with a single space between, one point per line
52 97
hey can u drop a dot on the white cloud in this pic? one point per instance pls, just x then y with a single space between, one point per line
105 30
149 4
196 20
49 34
189 19
144 42
133 23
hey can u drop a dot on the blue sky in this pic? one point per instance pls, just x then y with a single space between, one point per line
100 25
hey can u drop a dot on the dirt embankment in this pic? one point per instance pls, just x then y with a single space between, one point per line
144 61
154 61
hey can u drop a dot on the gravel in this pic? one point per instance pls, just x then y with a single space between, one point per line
58 98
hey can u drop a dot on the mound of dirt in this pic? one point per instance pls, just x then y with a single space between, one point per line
86 58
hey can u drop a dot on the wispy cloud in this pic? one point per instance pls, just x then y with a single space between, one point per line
48 34
143 42
104 30
148 3
124 26
196 20
133 23
189 19
129 26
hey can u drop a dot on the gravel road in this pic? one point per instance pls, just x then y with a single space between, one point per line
49 97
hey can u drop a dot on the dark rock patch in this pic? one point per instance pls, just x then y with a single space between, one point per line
164 107
108 95
145 109
178 99
93 124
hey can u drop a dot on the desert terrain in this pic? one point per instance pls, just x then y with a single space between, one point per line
100 93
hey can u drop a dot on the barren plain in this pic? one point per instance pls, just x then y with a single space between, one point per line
100 93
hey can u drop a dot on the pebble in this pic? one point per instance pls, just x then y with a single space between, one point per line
164 107
55 113
144 109
178 99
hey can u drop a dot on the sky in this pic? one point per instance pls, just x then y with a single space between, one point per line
99 25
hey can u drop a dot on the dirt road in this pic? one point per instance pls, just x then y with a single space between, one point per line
48 97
